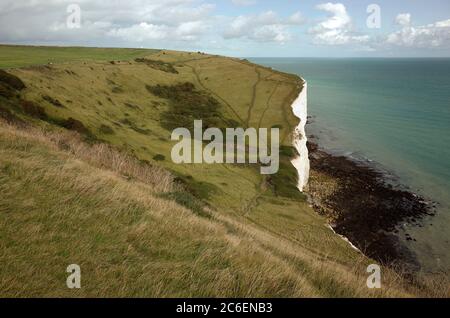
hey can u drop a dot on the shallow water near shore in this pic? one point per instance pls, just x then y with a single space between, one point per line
393 114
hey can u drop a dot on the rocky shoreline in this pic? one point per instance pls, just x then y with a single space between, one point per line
360 205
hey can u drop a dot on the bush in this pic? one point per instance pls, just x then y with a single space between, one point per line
11 80
158 65
159 157
6 91
288 151
117 90
52 101
132 106
284 182
132 125
199 189
188 201
76 125
187 104
105 129
9 117
126 121
33 110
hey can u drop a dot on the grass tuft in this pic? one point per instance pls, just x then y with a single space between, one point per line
11 80
52 101
105 129
33 110
159 157
158 65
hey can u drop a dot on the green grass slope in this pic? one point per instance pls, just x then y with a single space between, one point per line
86 178
19 56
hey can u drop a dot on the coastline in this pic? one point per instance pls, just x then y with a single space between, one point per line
367 207
362 207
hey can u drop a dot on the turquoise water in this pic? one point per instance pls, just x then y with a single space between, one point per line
394 112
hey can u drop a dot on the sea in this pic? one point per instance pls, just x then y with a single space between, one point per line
394 114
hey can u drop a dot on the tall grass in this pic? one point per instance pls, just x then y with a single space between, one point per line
65 201
100 155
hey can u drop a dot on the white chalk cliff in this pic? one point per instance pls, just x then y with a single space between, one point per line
301 163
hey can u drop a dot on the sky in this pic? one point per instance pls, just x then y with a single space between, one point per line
242 28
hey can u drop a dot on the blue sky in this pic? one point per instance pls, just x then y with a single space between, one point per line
294 28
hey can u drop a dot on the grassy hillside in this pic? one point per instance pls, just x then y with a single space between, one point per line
86 178
19 56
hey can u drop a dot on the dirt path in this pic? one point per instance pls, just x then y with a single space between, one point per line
267 105
194 70
252 104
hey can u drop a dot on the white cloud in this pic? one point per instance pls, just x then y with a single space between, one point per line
141 32
105 21
186 31
427 36
403 19
244 2
264 27
296 18
144 22
337 28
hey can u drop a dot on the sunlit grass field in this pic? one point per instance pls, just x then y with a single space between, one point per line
19 56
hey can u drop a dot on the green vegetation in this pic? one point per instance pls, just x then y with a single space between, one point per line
189 201
86 183
20 56
52 101
284 182
105 129
158 65
159 157
11 81
33 110
186 105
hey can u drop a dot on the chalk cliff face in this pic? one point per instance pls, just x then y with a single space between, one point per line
301 163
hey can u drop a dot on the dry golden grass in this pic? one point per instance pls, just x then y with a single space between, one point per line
100 155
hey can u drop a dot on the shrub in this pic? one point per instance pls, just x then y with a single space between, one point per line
105 129
11 80
126 121
132 106
76 125
199 189
187 104
159 157
284 182
52 101
288 151
33 109
133 126
9 117
158 65
6 91
117 90
188 201
143 131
